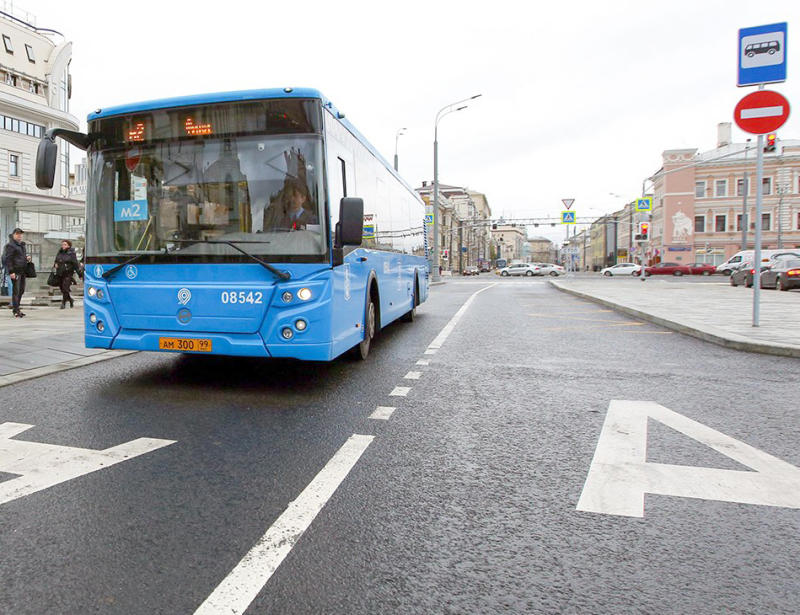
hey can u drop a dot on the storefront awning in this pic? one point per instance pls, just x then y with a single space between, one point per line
43 204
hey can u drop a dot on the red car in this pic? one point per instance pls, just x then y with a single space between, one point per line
702 268
668 269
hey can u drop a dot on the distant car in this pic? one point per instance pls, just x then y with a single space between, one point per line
485 267
675 269
528 269
743 276
702 268
550 269
783 275
620 269
470 270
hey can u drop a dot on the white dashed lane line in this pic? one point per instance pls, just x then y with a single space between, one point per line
413 375
382 413
399 392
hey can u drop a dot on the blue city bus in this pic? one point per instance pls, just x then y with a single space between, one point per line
255 223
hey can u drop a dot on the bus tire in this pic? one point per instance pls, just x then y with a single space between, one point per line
411 315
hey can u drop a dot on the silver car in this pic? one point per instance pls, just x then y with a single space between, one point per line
528 269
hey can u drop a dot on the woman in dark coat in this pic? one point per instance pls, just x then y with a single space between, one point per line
66 265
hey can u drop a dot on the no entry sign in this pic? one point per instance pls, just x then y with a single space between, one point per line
761 112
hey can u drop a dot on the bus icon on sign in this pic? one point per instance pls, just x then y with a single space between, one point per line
770 47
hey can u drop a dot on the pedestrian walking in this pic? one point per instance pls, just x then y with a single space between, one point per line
15 260
65 267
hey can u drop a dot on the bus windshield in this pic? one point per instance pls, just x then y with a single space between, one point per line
186 194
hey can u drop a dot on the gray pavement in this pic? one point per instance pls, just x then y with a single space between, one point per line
710 310
47 340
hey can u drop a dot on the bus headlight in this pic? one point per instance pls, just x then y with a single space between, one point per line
287 333
92 318
287 297
100 326
301 325
92 291
100 293
304 294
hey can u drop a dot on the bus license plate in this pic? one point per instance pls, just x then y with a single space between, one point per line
182 344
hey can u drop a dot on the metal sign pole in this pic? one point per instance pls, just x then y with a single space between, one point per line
757 253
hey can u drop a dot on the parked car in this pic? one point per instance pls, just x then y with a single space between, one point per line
783 274
735 261
620 269
528 269
668 269
743 276
470 270
550 269
702 268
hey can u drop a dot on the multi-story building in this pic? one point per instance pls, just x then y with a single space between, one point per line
699 200
510 241
35 88
541 250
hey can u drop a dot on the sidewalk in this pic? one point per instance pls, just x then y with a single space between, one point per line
711 311
45 341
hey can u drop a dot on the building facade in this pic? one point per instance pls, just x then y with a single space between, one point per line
511 241
704 203
35 88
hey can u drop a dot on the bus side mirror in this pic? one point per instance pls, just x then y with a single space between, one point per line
351 221
46 158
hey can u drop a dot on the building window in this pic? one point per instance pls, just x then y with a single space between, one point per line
7 43
765 222
766 185
700 189
11 79
699 224
738 222
26 128
721 187
13 165
29 51
719 223
740 187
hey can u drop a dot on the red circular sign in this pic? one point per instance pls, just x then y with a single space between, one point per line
761 112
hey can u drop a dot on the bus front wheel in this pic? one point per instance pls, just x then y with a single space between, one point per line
369 329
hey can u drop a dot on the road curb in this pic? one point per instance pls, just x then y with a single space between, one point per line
727 340
54 368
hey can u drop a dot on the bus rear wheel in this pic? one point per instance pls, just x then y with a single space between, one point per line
411 315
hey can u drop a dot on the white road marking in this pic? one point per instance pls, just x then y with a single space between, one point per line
747 114
242 585
413 375
399 391
383 413
423 362
40 465
430 351
448 328
620 476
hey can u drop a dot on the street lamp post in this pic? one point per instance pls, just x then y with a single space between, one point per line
446 110
399 134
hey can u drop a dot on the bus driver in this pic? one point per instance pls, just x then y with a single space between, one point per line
291 209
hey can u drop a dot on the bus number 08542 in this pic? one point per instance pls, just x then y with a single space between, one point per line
242 297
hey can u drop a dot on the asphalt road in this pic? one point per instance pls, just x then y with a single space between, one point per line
465 501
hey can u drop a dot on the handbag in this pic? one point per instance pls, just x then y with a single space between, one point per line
30 270
52 279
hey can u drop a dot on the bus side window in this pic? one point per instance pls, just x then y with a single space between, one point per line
344 177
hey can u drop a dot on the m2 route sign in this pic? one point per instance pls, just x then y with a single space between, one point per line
761 112
567 217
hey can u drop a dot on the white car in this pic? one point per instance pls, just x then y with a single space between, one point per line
550 269
621 269
527 269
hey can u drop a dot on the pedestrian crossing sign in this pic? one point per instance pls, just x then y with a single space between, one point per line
645 204
369 231
567 217
428 219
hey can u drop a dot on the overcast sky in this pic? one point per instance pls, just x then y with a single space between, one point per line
579 99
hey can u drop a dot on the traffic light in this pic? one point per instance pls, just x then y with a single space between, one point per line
644 231
445 254
770 146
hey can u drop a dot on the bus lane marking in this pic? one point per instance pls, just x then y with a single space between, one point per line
448 328
383 413
620 475
237 590
39 465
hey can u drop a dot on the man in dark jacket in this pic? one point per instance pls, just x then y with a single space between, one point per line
15 258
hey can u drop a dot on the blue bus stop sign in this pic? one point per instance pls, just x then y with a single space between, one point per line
762 54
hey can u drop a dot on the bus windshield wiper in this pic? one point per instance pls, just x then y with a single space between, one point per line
283 275
136 257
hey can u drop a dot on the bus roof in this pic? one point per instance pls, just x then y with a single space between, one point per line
220 97
203 99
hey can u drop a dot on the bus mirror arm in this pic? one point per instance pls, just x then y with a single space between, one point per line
47 154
